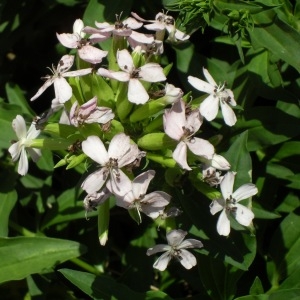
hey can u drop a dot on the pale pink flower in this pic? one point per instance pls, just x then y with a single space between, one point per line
89 113
119 154
218 94
76 40
228 204
151 72
18 149
151 204
176 248
62 89
182 127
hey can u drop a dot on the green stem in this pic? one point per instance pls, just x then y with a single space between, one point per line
85 266
23 231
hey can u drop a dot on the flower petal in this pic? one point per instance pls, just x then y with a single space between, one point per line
119 146
245 191
180 156
68 40
118 183
141 182
120 76
42 88
228 114
175 237
94 148
34 153
217 205
158 248
227 184
23 163
201 85
94 182
19 126
201 147
65 63
136 92
91 54
152 72
243 215
162 262
187 259
190 243
209 107
125 61
223 224
209 78
63 91
15 150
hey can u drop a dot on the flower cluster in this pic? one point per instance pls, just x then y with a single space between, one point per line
116 116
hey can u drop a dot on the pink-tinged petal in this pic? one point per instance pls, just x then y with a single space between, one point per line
130 156
209 107
227 184
118 183
141 37
155 200
91 54
19 126
34 153
217 205
245 191
94 182
77 27
228 114
187 259
156 26
219 162
105 27
87 108
201 85
136 16
126 200
125 32
208 77
136 92
32 132
243 215
132 23
223 224
141 182
175 237
190 243
180 156
162 262
94 148
201 147
65 63
15 150
181 36
62 89
120 76
119 146
81 72
101 115
43 88
68 40
99 37
194 121
174 120
125 61
23 163
152 72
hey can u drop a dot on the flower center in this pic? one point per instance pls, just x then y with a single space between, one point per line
230 204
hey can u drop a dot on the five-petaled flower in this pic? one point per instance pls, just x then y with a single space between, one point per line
151 72
151 204
62 89
217 94
77 40
182 127
175 249
120 153
17 150
228 204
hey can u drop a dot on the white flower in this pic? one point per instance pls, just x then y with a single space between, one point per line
229 204
120 153
76 40
175 248
62 89
89 113
151 204
182 128
217 94
151 72
17 150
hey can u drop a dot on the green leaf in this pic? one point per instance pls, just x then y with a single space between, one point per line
256 287
22 256
7 203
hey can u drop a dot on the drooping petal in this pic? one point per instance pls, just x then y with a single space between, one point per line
181 36
228 114
201 147
19 126
94 182
187 259
91 54
223 224
15 151
227 184
105 26
125 61
34 153
180 155
141 182
158 248
243 215
41 90
209 78
32 132
136 92
209 107
80 72
101 115
175 237
245 191
120 76
152 72
190 243
162 262
153 204
217 205
68 40
23 163
132 23
62 89
94 148
201 85
118 183
140 38
156 26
